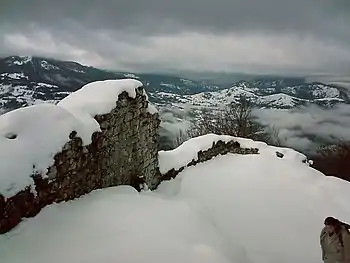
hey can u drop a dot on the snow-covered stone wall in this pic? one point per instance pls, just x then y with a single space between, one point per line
112 140
218 148
203 148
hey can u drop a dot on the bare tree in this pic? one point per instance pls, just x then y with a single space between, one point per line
235 120
273 136
180 138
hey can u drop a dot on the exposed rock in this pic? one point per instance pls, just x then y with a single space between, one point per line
279 155
124 152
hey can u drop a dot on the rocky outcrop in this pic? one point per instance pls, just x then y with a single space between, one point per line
124 152
218 148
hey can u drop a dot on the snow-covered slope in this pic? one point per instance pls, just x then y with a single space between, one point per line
231 209
187 151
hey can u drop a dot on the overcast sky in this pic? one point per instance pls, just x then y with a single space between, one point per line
311 36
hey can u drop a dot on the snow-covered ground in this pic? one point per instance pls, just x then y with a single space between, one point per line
187 151
233 208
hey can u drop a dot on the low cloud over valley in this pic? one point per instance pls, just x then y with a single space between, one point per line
305 128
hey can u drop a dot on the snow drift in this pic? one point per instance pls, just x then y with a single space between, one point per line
234 208
31 136
186 152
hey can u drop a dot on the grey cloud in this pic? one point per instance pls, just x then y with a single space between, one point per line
174 123
215 15
249 35
305 128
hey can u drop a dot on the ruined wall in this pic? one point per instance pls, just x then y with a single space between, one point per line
218 148
125 152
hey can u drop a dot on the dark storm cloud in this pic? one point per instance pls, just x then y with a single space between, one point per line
312 16
95 31
224 15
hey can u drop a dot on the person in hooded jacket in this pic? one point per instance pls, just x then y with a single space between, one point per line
335 241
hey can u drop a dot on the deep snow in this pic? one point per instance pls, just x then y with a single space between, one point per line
233 208
31 136
188 150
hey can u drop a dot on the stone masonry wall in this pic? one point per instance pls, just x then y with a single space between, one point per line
218 148
125 152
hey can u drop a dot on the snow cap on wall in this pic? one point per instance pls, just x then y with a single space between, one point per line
31 136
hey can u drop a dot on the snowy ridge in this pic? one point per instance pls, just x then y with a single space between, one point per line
226 96
280 100
186 152
21 60
36 133
322 91
231 209
217 98
265 94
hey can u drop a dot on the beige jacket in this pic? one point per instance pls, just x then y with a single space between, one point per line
332 249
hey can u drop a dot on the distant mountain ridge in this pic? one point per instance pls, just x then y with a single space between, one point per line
263 93
275 94
30 80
